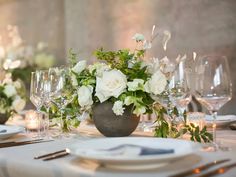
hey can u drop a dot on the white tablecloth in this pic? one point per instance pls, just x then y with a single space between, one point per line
19 162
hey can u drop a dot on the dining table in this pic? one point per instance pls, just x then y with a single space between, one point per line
18 161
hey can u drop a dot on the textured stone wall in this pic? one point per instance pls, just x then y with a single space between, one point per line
203 26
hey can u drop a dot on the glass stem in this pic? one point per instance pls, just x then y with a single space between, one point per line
61 121
39 121
214 114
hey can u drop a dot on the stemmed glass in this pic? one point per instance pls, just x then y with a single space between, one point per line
213 86
59 93
36 95
46 90
179 88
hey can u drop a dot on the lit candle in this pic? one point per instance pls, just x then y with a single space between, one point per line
31 120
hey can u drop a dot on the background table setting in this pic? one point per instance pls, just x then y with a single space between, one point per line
109 100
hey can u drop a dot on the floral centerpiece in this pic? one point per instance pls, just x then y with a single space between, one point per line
21 59
125 79
12 94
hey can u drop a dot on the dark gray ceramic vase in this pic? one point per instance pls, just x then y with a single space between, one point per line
3 118
111 125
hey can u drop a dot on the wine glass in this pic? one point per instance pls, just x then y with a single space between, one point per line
179 89
213 86
46 89
36 95
60 95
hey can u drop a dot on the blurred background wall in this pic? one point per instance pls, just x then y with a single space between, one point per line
203 26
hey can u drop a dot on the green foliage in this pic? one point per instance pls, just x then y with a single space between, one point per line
168 129
22 74
72 58
125 61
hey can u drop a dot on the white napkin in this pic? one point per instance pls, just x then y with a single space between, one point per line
3 131
126 150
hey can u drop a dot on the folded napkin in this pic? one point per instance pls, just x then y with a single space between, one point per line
128 150
3 131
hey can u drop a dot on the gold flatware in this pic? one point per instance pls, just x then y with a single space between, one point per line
220 170
49 154
54 155
199 169
11 144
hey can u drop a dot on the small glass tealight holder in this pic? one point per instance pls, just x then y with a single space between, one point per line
32 123
36 124
32 120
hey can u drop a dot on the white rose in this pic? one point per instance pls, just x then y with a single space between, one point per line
118 108
80 66
136 84
9 90
112 83
138 37
18 104
156 84
85 96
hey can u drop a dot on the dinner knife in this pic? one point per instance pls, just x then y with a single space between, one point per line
4 145
199 169
13 142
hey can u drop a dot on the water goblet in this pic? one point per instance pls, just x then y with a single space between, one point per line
179 89
36 95
213 87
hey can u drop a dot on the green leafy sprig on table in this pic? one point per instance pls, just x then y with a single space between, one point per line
169 129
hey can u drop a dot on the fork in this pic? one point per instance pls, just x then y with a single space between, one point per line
200 169
220 170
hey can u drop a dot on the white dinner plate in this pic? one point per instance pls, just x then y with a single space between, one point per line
9 130
181 149
221 120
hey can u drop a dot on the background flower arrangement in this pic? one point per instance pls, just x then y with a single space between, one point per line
12 95
125 78
20 59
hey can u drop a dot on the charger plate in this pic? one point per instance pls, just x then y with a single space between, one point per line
9 131
181 149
